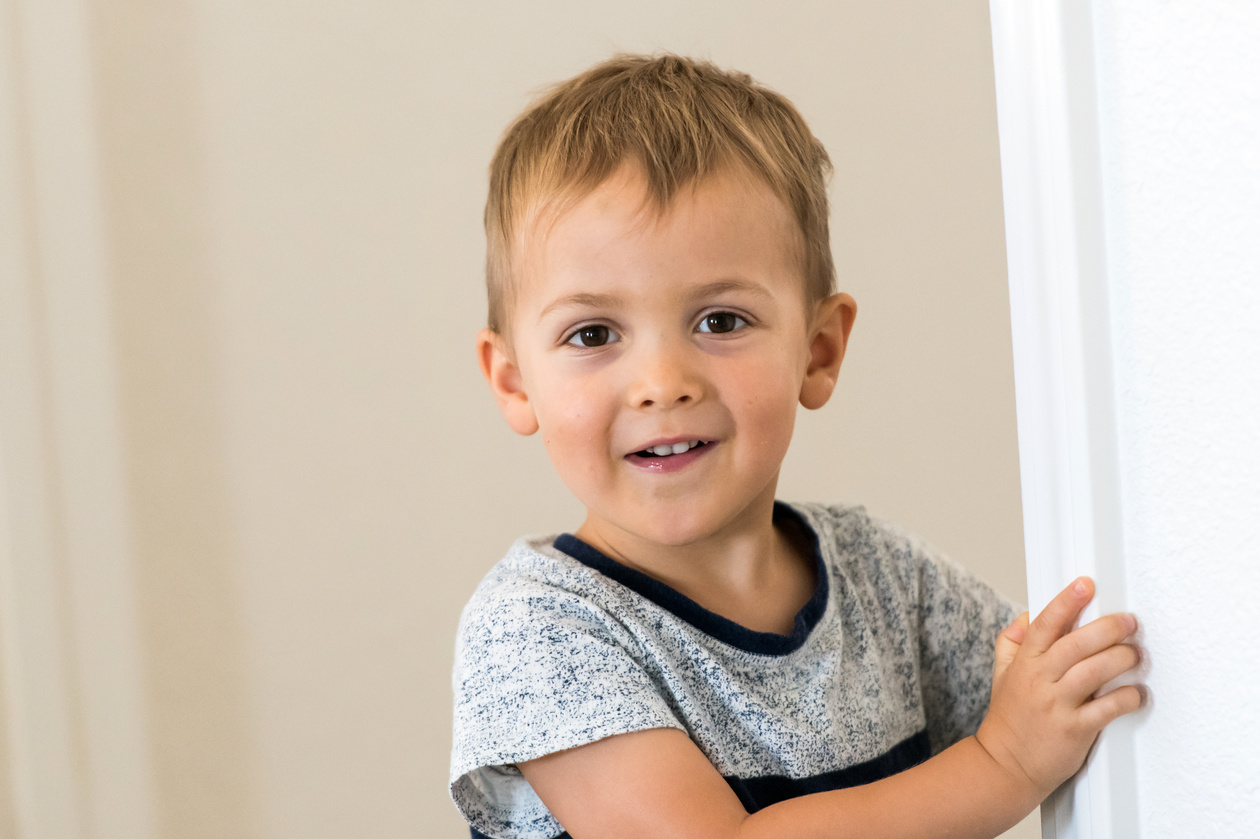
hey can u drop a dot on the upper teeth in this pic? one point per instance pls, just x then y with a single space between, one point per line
677 448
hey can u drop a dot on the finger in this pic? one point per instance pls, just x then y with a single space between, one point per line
1017 628
1089 640
1126 699
1087 677
1008 644
1059 616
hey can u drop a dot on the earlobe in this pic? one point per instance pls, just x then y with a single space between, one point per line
506 383
833 320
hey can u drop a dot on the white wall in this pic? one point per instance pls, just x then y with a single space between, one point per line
1179 95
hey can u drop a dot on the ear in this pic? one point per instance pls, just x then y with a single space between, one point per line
833 319
504 376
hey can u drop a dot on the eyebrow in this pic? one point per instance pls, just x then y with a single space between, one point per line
582 299
722 286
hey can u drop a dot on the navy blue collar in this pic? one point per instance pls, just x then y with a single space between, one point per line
723 629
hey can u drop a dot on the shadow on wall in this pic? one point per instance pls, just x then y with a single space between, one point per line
164 310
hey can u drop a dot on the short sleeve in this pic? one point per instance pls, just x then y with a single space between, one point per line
959 618
538 671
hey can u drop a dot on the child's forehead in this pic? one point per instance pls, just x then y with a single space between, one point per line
625 204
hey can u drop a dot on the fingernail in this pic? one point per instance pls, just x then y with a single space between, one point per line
1133 623
1144 694
1079 586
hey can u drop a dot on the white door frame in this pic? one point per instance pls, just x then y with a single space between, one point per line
1043 56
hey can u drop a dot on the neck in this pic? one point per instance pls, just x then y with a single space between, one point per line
744 562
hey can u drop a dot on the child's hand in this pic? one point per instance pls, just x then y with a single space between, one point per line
1043 716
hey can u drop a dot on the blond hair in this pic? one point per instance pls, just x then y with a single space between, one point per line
680 120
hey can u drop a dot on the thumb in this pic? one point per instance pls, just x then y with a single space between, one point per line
1008 644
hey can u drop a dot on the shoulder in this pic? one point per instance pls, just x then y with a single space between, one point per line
852 528
533 594
855 542
530 569
879 554
543 623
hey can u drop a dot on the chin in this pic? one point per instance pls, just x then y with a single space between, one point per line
683 520
682 530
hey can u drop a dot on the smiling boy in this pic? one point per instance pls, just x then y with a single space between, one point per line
699 660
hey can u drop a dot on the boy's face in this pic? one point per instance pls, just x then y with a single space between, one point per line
663 357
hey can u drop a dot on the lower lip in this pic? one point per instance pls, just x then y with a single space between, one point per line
670 463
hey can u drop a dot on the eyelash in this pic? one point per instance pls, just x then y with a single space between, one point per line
574 337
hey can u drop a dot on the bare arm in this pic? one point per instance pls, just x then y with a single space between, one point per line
1041 722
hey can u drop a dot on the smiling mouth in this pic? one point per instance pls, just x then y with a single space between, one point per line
670 451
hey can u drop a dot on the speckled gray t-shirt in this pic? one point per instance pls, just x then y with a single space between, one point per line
888 663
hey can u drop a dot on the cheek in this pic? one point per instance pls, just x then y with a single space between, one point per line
573 423
576 417
769 398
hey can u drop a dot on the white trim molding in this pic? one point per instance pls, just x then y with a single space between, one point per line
1043 56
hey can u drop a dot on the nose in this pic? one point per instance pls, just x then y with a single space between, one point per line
664 377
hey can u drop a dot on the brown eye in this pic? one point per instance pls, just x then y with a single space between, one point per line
719 322
595 335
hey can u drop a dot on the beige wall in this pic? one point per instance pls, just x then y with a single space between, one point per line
314 477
